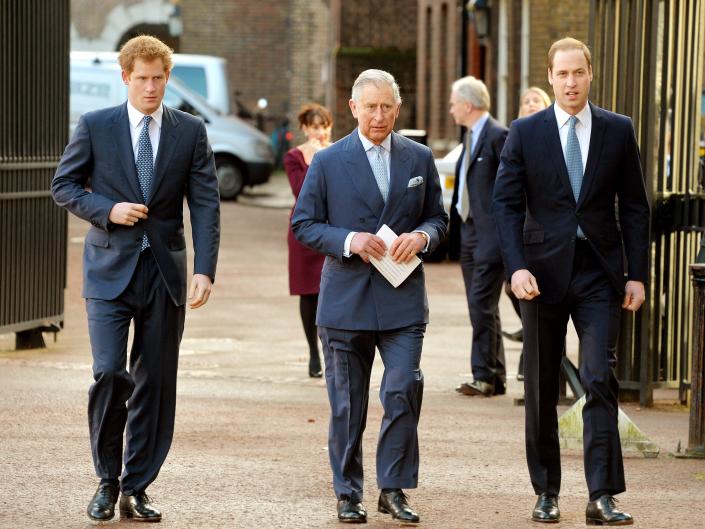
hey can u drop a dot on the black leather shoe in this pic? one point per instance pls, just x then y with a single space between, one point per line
603 511
351 511
478 387
139 508
516 336
395 503
102 505
546 509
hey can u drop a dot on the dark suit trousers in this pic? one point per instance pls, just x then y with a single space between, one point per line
594 306
143 398
483 286
348 357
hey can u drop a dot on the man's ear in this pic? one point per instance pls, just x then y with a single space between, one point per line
125 77
353 107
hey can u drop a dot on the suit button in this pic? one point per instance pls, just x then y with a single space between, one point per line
572 239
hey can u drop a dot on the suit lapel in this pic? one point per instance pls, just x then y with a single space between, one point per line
400 169
597 134
168 142
120 131
360 172
555 151
478 143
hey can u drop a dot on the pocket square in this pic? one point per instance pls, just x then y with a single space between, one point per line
479 159
416 181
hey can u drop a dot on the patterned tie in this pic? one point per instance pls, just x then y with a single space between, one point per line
465 211
145 166
379 168
574 163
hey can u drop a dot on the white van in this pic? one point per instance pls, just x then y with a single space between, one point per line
205 75
243 154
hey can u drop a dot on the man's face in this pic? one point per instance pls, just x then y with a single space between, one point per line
570 78
146 84
376 111
459 109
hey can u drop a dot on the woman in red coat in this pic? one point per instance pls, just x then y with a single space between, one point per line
305 265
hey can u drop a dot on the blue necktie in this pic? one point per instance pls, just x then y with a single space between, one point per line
145 166
574 163
379 168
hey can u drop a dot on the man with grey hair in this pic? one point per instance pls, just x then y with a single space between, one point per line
471 215
371 178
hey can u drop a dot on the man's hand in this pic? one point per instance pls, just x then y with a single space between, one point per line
634 295
127 213
200 290
366 245
406 246
524 285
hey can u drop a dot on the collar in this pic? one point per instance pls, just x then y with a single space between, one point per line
562 117
367 143
135 116
479 124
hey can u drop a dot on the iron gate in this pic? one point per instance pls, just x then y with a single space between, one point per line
648 62
34 107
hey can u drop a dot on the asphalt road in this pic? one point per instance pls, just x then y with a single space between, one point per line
250 444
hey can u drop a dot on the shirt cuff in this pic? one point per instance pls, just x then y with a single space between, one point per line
425 236
346 246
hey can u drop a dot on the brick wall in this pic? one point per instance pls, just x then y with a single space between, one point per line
375 34
551 21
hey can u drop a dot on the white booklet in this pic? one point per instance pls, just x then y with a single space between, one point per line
393 272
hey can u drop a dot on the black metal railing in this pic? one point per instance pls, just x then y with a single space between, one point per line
34 110
648 64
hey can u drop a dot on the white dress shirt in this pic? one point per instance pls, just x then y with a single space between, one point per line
155 126
476 131
583 128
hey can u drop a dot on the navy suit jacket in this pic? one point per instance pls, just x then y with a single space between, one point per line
340 195
480 179
537 215
98 170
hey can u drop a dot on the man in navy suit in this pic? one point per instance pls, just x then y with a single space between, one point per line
562 171
480 258
126 171
370 178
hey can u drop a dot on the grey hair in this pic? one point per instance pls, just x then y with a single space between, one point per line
375 77
473 91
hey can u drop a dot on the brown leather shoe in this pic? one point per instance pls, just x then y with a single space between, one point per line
546 509
603 511
478 387
395 502
102 505
139 508
351 511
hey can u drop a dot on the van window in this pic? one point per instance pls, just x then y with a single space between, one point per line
192 76
174 100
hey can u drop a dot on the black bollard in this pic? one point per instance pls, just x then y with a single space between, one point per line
696 430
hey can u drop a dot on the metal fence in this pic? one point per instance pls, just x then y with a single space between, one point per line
34 106
648 63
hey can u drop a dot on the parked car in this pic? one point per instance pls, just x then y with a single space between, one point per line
243 154
446 171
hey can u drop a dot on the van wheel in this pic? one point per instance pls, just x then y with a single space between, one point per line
231 179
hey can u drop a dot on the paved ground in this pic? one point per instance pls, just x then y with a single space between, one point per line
250 443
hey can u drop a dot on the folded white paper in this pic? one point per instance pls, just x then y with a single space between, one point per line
393 272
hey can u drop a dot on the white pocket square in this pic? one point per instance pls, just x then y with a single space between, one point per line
416 181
